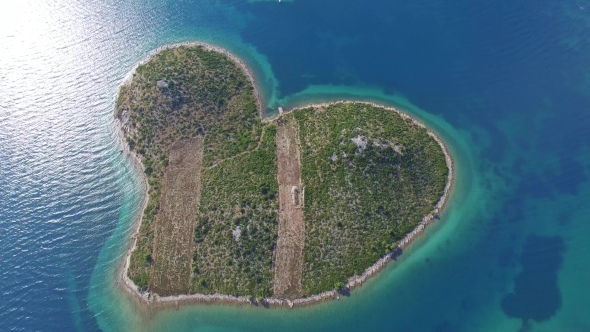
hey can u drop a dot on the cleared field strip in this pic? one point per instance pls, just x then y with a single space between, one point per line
291 233
174 225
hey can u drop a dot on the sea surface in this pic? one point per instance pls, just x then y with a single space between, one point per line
505 83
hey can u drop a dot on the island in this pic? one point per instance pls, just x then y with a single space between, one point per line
283 210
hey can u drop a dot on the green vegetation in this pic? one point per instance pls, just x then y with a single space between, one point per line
370 176
181 93
237 225
338 285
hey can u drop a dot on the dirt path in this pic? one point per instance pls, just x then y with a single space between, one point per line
289 252
241 153
175 223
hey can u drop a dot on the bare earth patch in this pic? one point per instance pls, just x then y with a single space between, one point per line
174 225
291 233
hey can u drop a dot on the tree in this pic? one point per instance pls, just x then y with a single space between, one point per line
338 285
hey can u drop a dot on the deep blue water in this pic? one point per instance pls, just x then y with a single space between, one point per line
507 85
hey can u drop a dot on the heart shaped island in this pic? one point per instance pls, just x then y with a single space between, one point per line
276 211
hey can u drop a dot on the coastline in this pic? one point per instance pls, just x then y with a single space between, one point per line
121 272
156 302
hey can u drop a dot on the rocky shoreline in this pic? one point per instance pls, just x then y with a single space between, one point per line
156 302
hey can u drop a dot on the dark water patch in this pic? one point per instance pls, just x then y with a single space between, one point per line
564 219
572 175
536 293
506 258
444 326
465 304
537 187
511 212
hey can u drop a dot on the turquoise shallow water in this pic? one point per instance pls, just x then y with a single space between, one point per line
504 84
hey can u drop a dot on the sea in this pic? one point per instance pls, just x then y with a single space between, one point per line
506 84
